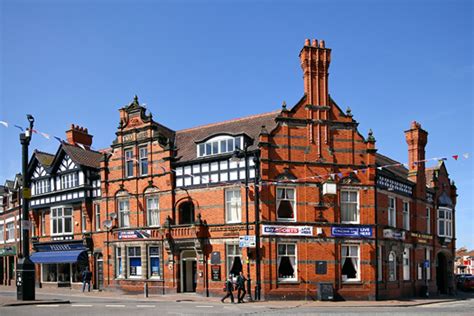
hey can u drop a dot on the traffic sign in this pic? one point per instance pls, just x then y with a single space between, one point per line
247 241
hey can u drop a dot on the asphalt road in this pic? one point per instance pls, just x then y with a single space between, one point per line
115 307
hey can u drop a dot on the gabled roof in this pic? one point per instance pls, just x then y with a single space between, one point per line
44 159
83 157
252 125
399 172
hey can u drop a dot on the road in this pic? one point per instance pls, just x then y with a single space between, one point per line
119 306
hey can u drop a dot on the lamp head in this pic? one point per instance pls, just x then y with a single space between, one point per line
30 118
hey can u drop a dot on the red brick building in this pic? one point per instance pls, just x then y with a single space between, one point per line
331 209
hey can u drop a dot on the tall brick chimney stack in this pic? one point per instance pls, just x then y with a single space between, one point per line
417 139
79 135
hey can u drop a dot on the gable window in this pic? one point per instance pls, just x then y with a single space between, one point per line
445 217
392 266
349 206
287 262
428 220
143 161
129 163
69 180
134 262
124 212
153 210
406 215
350 263
61 220
97 216
219 145
392 215
234 259
286 204
233 206
406 264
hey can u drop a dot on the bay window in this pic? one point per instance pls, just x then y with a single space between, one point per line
350 269
10 231
286 204
287 262
349 206
61 220
445 217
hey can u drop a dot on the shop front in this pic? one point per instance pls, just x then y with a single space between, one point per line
7 265
60 263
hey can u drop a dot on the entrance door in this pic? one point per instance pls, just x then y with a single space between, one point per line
442 274
99 272
188 271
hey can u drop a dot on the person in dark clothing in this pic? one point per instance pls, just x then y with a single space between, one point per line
86 278
241 287
229 287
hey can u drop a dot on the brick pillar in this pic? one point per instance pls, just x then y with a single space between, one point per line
416 139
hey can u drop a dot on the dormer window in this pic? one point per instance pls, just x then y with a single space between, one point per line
219 145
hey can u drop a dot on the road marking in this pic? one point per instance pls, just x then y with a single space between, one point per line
80 305
145 305
114 305
204 306
45 305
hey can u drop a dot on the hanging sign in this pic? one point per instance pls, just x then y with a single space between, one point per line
287 230
357 232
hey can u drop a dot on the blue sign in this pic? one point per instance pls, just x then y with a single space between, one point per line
360 231
60 246
426 263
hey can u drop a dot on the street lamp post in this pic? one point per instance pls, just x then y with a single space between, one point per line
25 273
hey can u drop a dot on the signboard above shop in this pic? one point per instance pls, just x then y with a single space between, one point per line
393 234
354 232
134 234
278 230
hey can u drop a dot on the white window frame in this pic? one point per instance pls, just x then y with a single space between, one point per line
232 251
135 276
153 215
343 257
97 216
118 262
446 222
157 277
233 204
215 145
128 157
349 191
295 267
392 211
43 223
84 220
392 266
10 232
406 215
61 218
406 264
143 158
279 200
123 213
69 180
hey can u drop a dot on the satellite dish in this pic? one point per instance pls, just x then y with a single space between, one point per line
113 215
107 223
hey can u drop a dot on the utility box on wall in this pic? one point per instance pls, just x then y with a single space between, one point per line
325 292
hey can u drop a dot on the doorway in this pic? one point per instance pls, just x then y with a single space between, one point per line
188 271
442 273
99 272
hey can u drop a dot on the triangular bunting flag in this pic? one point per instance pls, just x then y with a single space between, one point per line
4 123
58 139
466 155
19 127
82 146
45 135
455 157
380 168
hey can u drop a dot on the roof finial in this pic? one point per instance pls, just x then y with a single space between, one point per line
283 106
349 112
135 99
371 137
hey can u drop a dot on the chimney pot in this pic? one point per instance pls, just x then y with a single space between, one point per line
321 44
315 43
306 42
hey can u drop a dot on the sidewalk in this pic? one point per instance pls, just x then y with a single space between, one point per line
10 300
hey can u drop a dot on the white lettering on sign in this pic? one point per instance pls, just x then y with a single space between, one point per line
60 247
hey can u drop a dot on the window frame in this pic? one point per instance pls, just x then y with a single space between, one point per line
148 210
128 162
61 218
10 230
294 204
2 233
406 264
159 276
143 160
123 212
392 211
392 266
446 221
295 267
341 202
229 205
97 216
129 266
83 220
118 263
406 215
358 271
228 254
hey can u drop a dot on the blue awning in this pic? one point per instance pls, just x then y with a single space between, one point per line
59 256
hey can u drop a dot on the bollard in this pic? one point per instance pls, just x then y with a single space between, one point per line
145 289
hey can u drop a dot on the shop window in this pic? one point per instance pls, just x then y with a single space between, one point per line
49 273
234 260
143 155
124 212
392 266
128 163
406 215
186 213
349 206
154 262
97 216
76 273
233 206
445 216
350 263
392 215
134 262
153 211
61 220
286 260
118 262
286 204
406 264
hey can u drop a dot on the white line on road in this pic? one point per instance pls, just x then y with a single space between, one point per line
114 305
145 305
47 305
80 305
204 306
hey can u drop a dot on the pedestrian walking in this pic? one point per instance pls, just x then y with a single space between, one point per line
228 288
86 278
241 287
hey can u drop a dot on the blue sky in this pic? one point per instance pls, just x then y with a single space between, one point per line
197 62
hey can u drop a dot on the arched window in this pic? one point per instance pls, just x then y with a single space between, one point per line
186 213
392 266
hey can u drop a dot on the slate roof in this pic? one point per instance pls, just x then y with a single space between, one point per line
83 157
45 159
252 125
